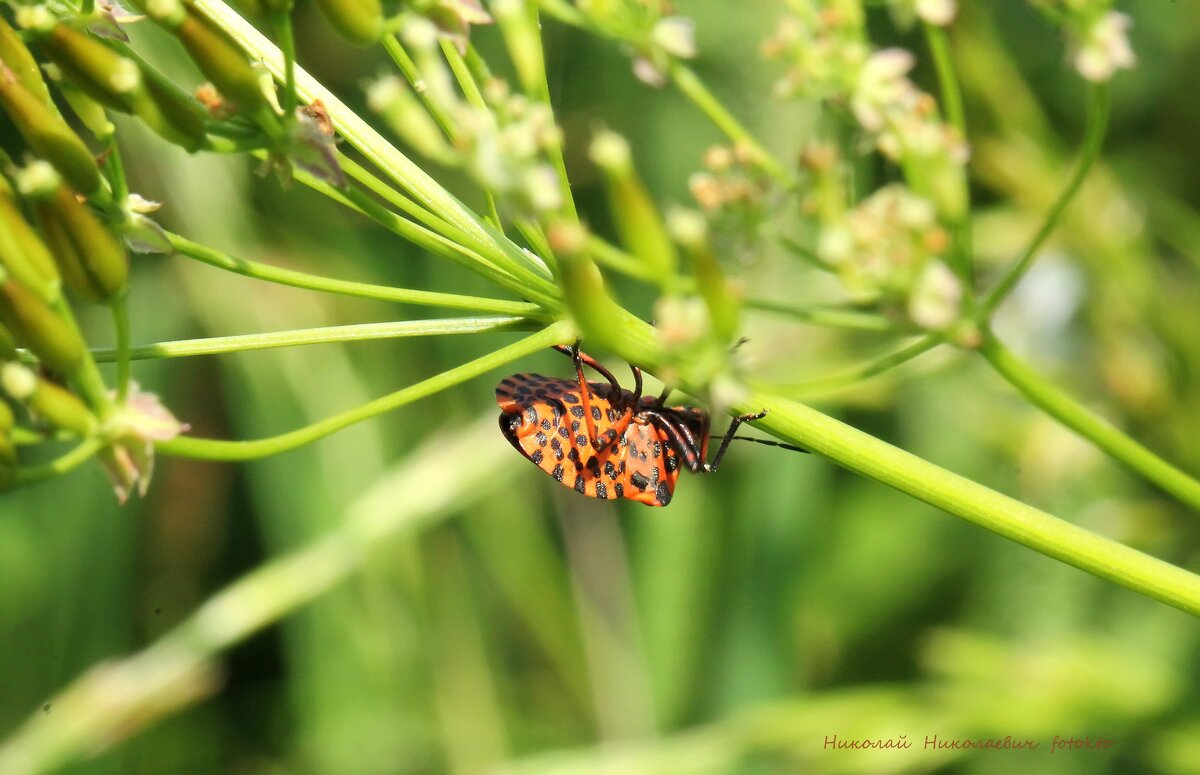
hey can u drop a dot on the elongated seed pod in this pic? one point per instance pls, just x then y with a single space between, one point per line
48 134
39 328
93 262
16 56
22 252
221 61
358 21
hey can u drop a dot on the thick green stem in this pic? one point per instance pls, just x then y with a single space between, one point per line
363 332
867 455
212 449
314 282
1063 408
1097 124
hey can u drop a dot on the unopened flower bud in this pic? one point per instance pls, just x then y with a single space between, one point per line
15 54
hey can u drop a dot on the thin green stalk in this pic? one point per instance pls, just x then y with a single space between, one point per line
536 289
282 21
68 461
120 315
1097 124
362 332
808 255
831 384
1063 408
314 282
828 315
408 68
611 257
1005 516
212 449
695 90
359 134
952 103
470 89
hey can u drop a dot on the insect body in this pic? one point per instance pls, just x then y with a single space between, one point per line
605 441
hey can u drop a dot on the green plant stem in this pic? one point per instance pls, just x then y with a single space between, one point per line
314 282
282 21
118 698
363 332
470 90
408 68
212 449
952 102
694 89
1097 124
358 133
808 255
68 461
867 455
828 316
825 385
120 315
1063 408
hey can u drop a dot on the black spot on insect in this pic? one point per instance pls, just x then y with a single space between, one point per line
577 411
508 382
570 398
575 425
580 484
601 491
610 470
546 424
531 414
611 414
657 449
662 494
619 489
593 465
639 481
536 457
581 440
672 462
557 473
573 455
540 438
511 422
556 447
596 413
562 431
655 476
621 468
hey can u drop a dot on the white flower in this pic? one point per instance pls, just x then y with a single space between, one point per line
936 297
939 12
882 87
1105 48
676 35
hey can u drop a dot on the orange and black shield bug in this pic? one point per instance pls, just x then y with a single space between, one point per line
604 441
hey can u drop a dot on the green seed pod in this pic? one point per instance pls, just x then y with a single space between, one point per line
108 77
93 263
48 135
22 252
90 113
39 328
176 116
8 347
59 406
15 54
221 61
358 21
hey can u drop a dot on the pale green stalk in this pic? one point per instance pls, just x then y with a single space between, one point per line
362 332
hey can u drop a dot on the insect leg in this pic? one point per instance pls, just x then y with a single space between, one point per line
729 434
581 358
682 439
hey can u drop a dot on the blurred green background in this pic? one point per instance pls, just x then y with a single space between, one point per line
771 606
